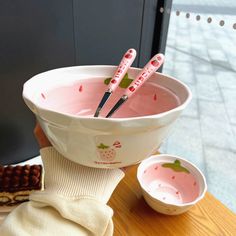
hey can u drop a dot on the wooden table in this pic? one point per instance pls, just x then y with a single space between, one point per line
133 217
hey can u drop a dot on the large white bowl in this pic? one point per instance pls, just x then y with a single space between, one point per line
88 140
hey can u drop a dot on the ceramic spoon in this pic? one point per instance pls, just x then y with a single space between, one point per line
121 70
143 76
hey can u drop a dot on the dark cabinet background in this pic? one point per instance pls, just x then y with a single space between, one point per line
36 36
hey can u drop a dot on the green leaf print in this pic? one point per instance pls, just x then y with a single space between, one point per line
176 166
107 81
125 82
102 146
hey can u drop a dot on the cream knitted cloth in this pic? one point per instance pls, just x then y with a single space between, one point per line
73 203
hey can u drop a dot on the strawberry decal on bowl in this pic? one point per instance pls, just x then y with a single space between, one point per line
176 166
106 153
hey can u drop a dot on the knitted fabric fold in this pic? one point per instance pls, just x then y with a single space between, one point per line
69 179
73 202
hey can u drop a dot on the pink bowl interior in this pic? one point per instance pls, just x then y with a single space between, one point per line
168 185
82 98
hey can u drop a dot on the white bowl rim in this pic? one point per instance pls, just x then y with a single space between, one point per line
178 108
139 173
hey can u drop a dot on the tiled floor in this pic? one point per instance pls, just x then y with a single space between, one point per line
203 55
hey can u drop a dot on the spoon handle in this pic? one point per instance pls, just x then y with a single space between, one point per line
123 67
153 65
144 74
121 70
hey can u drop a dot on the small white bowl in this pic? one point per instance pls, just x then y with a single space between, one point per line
170 184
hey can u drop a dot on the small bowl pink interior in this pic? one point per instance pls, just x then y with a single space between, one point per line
170 184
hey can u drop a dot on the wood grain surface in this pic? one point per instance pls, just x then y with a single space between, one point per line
133 217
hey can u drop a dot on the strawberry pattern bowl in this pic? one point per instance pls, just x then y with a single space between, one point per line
170 184
64 101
